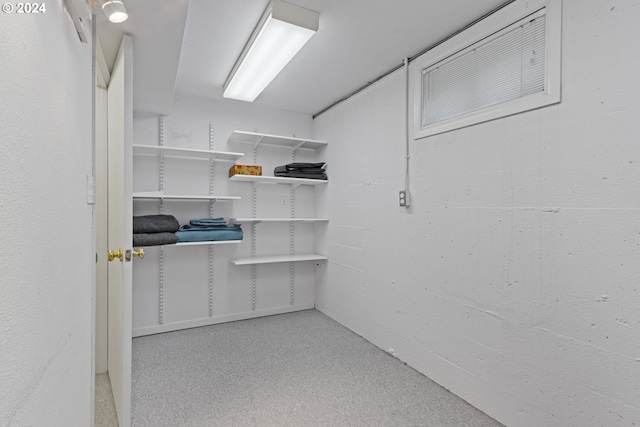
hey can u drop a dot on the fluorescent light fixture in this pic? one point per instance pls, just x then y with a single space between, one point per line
115 11
282 31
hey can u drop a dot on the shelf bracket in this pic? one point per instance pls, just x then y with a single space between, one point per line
255 147
295 147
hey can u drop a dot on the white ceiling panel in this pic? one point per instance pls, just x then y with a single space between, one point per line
191 45
358 40
157 28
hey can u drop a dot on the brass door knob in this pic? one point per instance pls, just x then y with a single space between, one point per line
139 253
113 255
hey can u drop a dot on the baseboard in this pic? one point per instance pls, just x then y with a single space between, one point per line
176 326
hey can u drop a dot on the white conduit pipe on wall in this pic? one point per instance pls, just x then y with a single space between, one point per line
406 134
394 69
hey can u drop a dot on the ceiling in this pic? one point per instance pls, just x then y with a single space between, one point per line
157 28
191 45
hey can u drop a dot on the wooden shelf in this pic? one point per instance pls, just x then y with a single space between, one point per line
277 180
186 153
156 195
279 141
278 259
257 220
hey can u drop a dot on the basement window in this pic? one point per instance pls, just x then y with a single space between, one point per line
505 64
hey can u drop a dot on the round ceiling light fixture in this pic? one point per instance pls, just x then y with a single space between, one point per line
115 11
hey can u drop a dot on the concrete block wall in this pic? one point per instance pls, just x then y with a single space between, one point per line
513 280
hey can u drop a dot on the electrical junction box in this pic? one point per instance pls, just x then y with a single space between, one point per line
404 198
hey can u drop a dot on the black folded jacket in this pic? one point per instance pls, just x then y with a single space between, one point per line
301 170
154 239
155 224
300 167
303 166
283 169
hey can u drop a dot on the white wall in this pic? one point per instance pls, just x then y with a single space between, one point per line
46 256
186 269
514 279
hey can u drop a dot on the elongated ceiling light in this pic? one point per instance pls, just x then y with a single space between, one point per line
282 31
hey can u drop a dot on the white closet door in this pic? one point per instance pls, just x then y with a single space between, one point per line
120 212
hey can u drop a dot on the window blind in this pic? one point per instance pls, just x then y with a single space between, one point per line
503 67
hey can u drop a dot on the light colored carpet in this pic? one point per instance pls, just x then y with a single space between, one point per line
105 410
298 369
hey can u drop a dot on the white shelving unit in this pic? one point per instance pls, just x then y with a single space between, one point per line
295 182
158 195
185 153
281 141
259 220
162 152
294 144
277 259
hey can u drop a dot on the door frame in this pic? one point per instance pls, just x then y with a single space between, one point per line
101 77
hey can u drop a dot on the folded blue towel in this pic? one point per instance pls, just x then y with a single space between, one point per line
189 227
207 222
209 235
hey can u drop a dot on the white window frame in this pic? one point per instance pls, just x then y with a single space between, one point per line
492 24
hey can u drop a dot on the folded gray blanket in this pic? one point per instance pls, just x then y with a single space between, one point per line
154 239
302 166
283 169
155 224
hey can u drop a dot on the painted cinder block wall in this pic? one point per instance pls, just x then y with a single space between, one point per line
513 280
46 253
